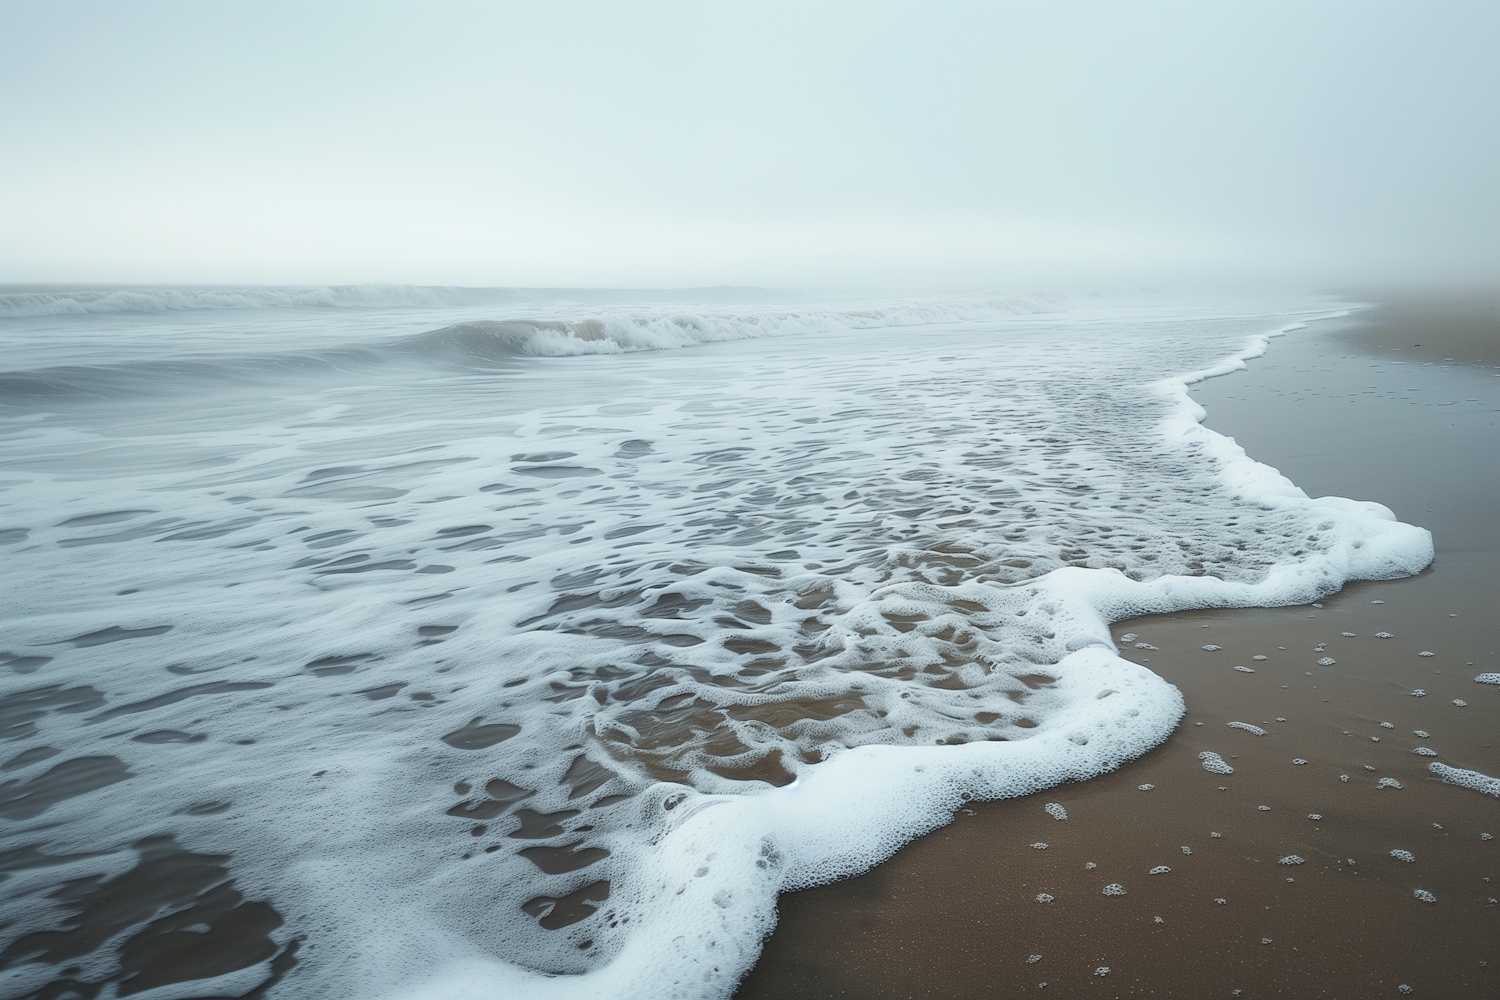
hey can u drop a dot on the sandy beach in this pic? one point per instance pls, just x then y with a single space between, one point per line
1278 879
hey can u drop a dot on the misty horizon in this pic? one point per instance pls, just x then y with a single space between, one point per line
677 146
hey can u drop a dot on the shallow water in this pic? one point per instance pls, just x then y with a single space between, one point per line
563 644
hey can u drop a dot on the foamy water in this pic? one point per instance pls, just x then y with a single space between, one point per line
531 648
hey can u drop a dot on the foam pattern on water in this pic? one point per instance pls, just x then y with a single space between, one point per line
1474 780
1214 764
485 680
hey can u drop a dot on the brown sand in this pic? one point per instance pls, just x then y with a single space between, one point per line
954 914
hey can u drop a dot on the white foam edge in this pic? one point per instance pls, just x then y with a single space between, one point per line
853 811
838 819
1379 547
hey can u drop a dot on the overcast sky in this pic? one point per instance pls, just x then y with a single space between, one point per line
668 144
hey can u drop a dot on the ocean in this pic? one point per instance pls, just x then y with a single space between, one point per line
405 641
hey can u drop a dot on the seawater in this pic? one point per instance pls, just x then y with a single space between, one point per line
433 642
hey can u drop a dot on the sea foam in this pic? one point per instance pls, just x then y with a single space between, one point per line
1482 783
547 685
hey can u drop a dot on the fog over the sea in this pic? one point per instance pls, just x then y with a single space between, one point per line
911 145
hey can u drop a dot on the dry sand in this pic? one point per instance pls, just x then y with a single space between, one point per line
954 914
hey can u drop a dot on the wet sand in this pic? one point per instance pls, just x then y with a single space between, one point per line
1460 326
955 913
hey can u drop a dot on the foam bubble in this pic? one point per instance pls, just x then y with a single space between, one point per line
1474 780
1488 678
1160 870
1401 855
1291 859
1043 897
1424 895
1247 727
1425 751
1114 889
1388 783
1056 811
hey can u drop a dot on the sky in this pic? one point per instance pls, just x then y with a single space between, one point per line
870 144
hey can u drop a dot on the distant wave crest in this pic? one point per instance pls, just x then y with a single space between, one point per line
620 332
470 344
154 300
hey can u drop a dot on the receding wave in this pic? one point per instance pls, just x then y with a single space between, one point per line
464 697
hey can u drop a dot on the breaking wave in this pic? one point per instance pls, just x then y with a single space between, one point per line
473 343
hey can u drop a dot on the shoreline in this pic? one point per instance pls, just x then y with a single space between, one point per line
1336 408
